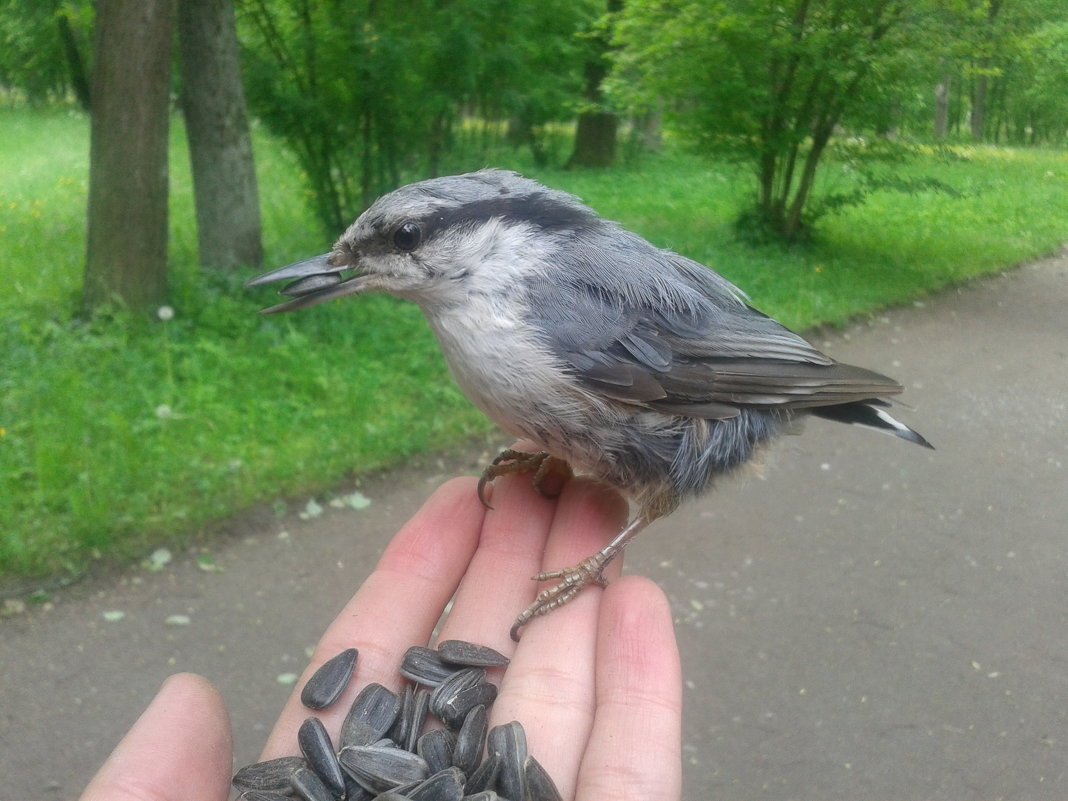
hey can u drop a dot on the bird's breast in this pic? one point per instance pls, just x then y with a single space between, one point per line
498 364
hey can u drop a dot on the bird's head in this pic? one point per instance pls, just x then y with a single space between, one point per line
439 240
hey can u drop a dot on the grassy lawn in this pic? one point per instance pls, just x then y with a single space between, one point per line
116 436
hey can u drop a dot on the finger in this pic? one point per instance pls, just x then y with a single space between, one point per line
180 748
398 606
635 748
498 583
549 687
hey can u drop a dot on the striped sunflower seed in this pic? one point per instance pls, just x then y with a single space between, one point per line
454 710
309 786
459 652
420 708
314 743
384 757
445 785
509 741
540 786
437 747
272 775
484 777
328 683
445 692
379 768
372 714
425 666
470 740
265 795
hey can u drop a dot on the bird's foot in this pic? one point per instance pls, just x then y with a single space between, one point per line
572 581
541 464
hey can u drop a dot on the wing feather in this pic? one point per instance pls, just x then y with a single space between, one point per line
682 340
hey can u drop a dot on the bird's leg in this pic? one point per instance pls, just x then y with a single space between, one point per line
541 464
573 579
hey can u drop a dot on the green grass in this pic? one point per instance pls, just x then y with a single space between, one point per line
118 435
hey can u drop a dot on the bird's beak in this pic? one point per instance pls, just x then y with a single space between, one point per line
312 281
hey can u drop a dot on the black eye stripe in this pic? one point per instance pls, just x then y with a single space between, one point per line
543 212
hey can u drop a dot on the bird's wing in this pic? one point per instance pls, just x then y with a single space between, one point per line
683 341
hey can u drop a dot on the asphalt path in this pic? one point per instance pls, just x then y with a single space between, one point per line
861 619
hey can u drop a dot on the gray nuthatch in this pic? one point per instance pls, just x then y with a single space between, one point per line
630 363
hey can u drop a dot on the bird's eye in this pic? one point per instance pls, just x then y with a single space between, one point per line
407 237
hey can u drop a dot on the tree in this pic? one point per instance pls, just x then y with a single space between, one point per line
765 82
941 110
127 222
72 52
220 146
340 84
367 96
986 53
984 69
1038 110
595 132
42 46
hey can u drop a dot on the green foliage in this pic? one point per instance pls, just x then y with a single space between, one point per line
123 433
1038 110
990 57
368 96
770 84
36 37
765 83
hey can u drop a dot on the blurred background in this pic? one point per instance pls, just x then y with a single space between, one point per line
832 158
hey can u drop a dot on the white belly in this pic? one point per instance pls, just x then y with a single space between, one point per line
497 366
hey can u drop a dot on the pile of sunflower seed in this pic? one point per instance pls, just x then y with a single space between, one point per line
382 753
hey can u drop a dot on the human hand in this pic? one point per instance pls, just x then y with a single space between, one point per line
180 749
596 683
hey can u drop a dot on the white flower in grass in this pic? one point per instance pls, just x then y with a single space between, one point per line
165 313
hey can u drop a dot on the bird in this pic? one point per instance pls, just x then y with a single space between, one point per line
621 360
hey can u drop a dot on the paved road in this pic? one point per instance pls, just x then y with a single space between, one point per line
867 620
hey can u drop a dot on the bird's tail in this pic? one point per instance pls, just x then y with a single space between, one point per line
871 414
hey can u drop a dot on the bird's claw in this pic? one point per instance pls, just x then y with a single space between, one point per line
572 581
541 464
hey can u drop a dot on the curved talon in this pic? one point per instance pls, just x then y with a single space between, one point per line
572 581
508 461
514 631
483 480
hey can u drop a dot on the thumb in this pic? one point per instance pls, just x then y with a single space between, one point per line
180 748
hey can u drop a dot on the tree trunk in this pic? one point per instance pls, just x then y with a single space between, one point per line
980 97
126 257
979 103
220 146
941 115
75 63
595 140
649 130
595 135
